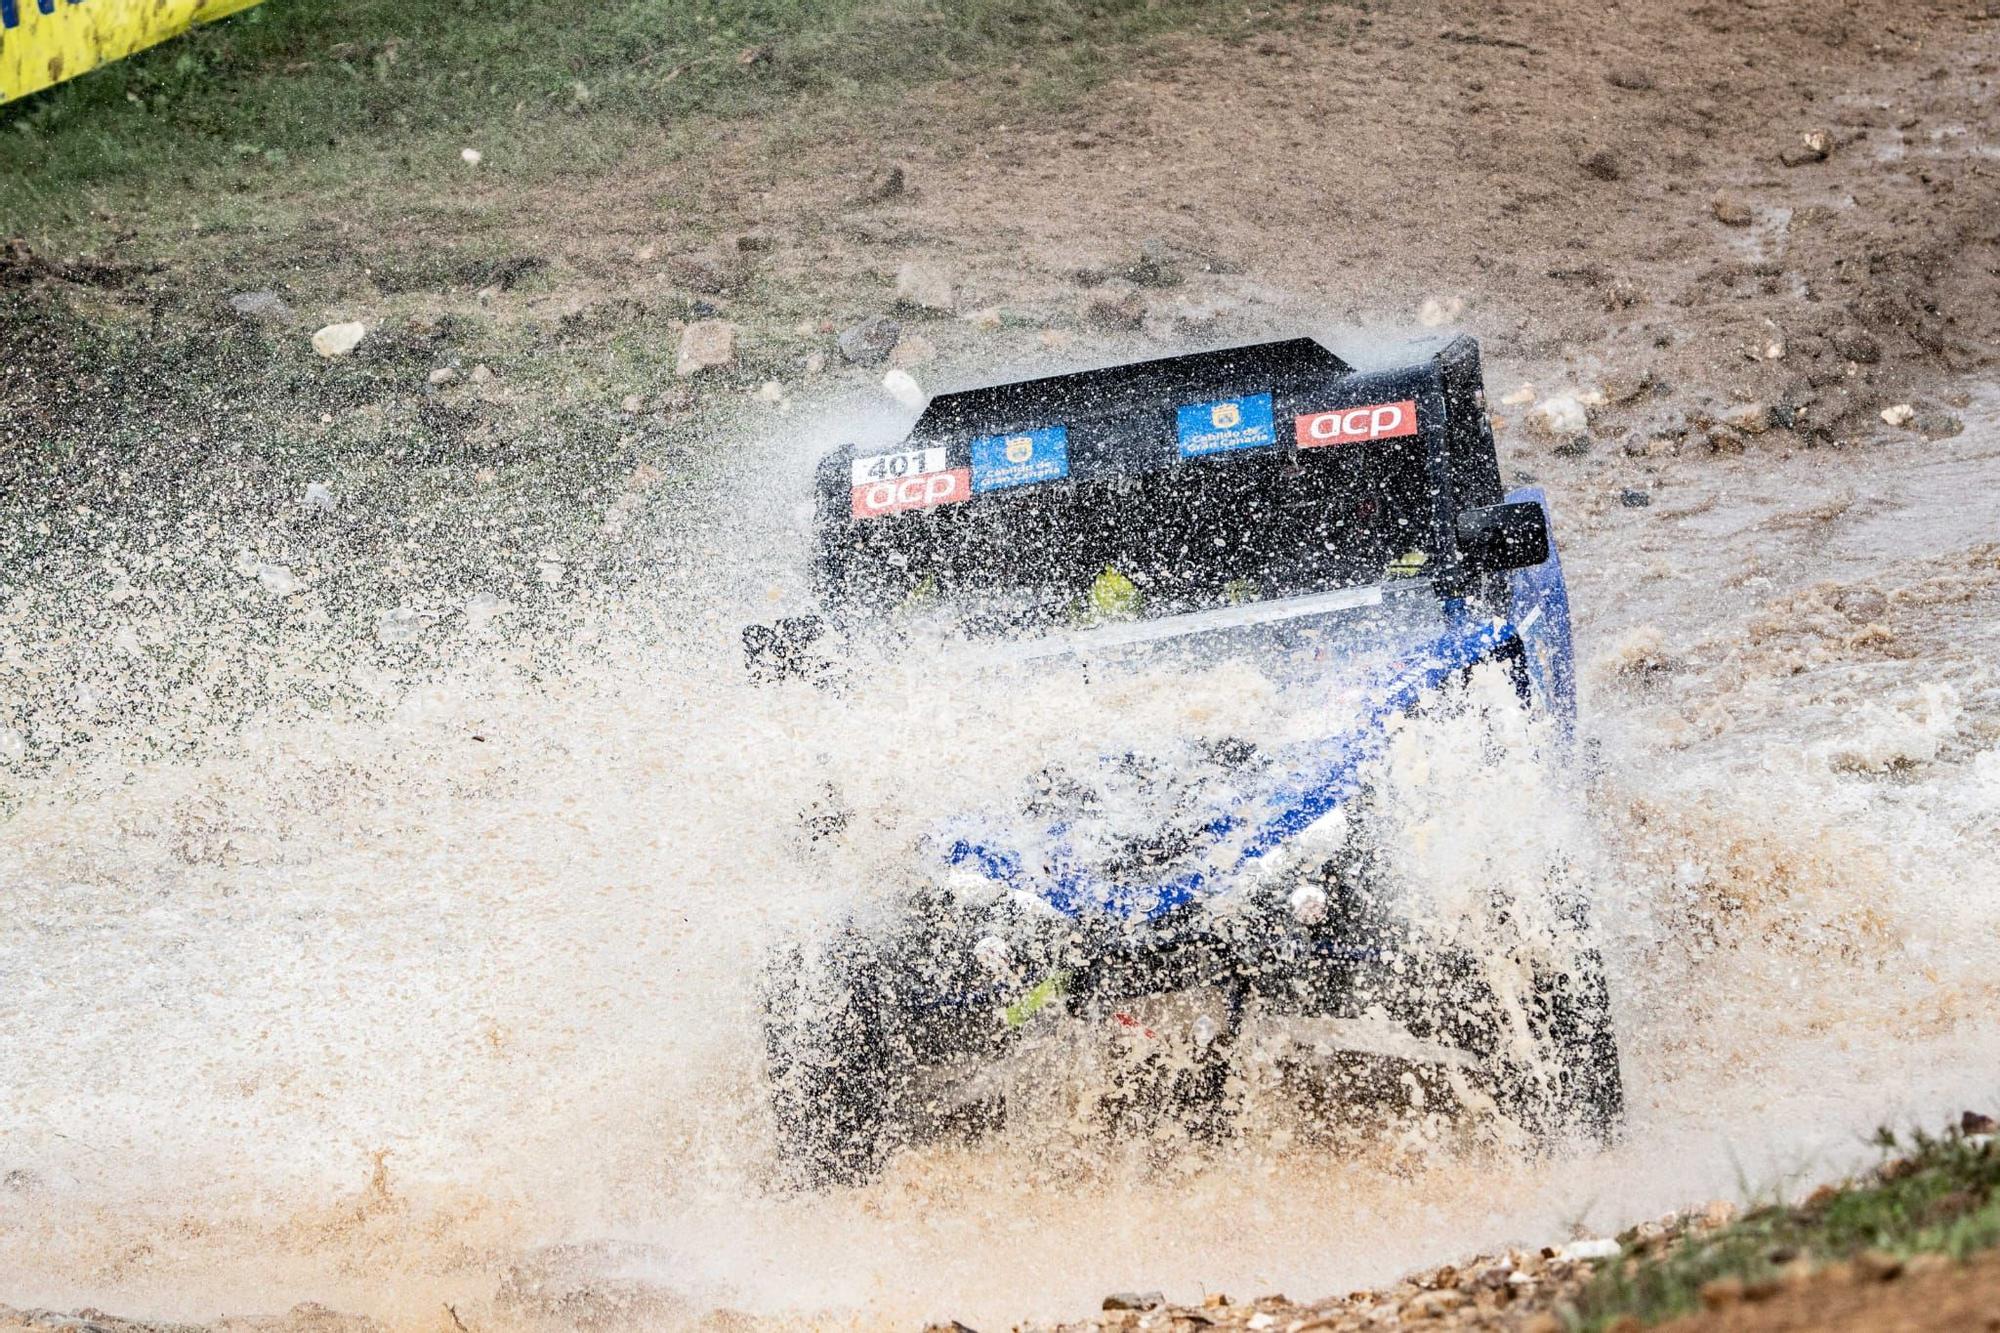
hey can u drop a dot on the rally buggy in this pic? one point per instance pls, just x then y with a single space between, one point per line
1269 503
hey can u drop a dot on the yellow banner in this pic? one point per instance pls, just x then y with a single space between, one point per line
46 41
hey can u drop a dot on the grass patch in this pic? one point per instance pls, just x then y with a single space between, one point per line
1932 1195
283 92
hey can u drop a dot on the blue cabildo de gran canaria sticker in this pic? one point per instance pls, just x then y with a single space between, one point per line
1231 423
1020 457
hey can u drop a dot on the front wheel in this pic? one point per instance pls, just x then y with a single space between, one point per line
830 1072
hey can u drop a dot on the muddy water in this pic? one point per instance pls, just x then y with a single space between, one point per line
457 1004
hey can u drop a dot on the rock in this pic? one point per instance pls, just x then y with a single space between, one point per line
986 319
881 186
1856 344
921 287
771 392
1589 1251
1813 146
912 350
1632 78
870 342
318 497
482 374
442 375
632 404
903 387
1155 266
1520 397
815 364
1634 498
1603 165
1729 210
1976 1122
263 307
706 344
1902 414
470 156
1134 1300
1562 417
1115 305
1748 418
339 339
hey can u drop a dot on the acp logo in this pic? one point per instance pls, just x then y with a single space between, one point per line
1226 416
1350 425
927 490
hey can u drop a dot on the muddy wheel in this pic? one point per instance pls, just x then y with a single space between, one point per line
829 1063
1574 1014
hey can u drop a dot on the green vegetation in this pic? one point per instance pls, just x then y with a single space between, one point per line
342 94
1931 1196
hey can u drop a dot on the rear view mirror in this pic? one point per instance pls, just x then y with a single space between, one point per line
780 649
1506 536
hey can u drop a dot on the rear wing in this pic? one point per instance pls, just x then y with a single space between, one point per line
1214 409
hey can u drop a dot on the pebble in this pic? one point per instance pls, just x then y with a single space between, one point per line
1589 1251
771 392
1562 417
1634 498
987 318
1729 210
921 287
706 344
318 496
1134 1300
472 157
442 375
1977 1122
1902 414
339 339
870 342
631 404
1520 397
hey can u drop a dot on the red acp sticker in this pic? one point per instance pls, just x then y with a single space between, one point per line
926 490
1351 425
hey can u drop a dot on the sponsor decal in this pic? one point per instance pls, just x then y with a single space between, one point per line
1020 457
1231 423
890 467
1351 425
920 490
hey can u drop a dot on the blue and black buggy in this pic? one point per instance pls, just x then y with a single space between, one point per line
1269 504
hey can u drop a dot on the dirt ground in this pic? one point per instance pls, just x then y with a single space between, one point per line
1726 228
